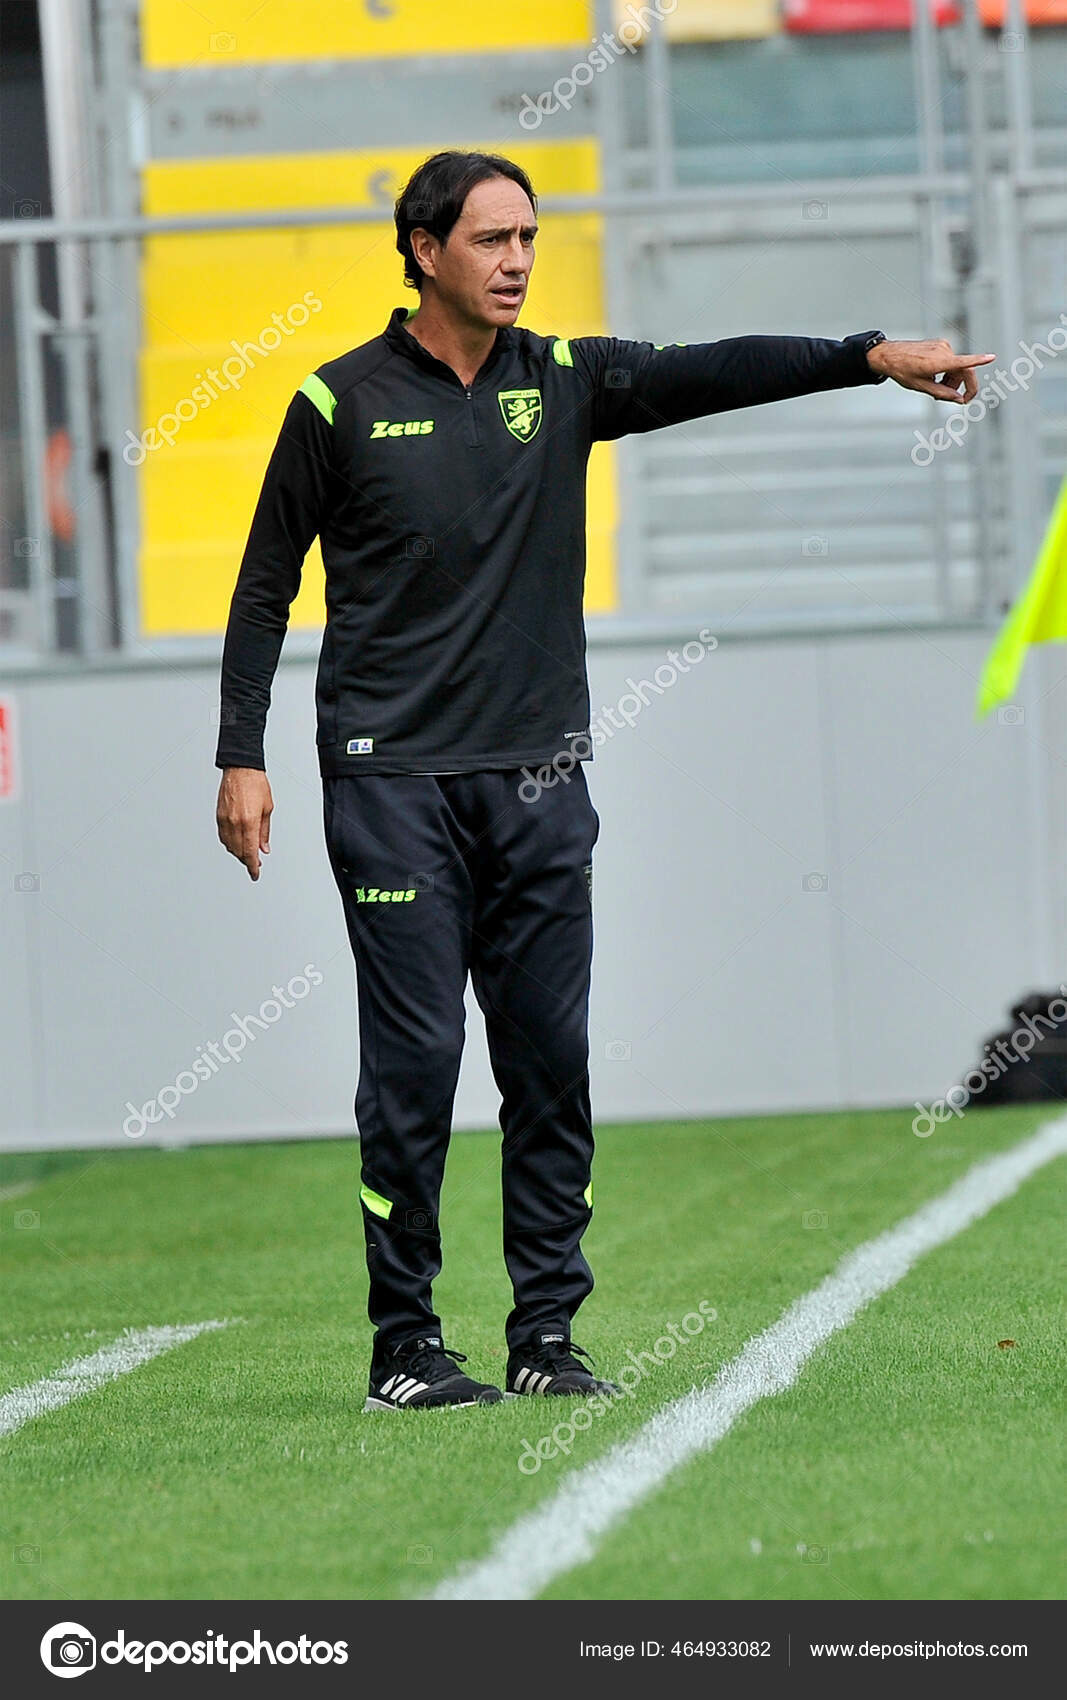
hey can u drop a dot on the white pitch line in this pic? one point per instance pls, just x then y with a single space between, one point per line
563 1532
134 1347
18 1190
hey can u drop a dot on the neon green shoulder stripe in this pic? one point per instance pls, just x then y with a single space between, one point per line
561 352
320 395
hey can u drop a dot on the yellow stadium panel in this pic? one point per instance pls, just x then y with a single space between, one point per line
702 20
234 321
181 591
238 32
601 578
357 177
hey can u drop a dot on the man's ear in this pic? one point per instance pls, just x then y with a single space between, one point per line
422 246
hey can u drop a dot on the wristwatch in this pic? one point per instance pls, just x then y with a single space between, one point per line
867 341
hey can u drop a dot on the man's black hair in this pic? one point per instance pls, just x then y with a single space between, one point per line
433 198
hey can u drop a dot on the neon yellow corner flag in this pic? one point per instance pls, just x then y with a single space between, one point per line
1039 615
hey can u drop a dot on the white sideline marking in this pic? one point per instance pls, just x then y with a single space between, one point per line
18 1190
563 1531
136 1346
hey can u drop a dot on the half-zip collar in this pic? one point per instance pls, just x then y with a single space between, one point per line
404 343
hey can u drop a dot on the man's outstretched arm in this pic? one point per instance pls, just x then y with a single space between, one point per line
637 387
288 516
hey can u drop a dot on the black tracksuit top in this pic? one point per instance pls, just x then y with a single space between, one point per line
452 524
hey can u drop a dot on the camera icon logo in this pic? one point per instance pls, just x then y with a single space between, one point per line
617 1050
1011 715
418 548
68 1649
815 882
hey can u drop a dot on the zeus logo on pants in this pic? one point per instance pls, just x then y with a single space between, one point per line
373 894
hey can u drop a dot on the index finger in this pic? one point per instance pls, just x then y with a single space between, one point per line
250 849
960 360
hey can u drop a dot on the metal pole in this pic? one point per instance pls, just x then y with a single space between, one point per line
927 90
120 304
32 432
660 123
615 252
66 58
977 130
1018 415
1018 420
979 302
931 265
636 203
1016 56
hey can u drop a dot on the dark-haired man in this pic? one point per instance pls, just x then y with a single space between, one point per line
443 465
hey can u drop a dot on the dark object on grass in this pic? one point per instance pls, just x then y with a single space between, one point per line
1029 1057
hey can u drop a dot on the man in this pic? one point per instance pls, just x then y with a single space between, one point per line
443 467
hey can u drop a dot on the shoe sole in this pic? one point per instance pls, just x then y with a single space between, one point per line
605 1391
371 1404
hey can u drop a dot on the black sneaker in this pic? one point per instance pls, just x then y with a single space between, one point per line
549 1365
418 1373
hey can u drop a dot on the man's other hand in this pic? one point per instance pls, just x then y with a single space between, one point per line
243 813
933 367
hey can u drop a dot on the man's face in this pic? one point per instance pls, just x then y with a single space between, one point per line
482 271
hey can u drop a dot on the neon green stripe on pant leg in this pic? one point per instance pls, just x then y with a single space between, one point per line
375 1203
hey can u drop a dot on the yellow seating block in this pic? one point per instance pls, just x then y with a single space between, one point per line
223 352
237 32
703 20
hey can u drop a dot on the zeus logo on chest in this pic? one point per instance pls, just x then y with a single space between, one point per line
404 428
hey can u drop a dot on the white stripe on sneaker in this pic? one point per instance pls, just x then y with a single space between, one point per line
416 1387
520 1380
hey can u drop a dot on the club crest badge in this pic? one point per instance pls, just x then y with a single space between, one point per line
521 410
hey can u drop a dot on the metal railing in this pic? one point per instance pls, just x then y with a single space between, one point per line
955 554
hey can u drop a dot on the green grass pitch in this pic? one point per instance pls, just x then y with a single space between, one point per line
914 1458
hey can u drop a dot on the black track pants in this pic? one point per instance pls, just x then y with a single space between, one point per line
444 875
